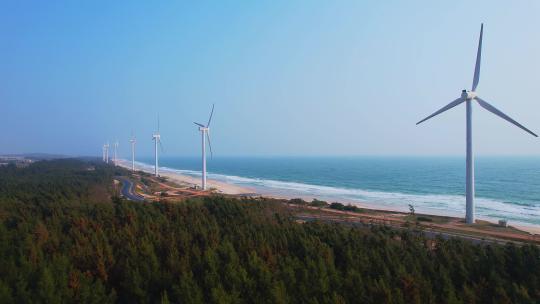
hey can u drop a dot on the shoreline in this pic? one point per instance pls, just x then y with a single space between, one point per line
221 187
530 228
233 189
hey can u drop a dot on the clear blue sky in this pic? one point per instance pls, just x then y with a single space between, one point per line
287 77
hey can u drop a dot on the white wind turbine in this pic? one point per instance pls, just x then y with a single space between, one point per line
107 153
103 153
132 141
468 97
156 137
116 153
205 133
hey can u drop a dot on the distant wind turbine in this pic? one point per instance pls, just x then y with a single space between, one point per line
132 141
103 153
468 97
116 153
205 133
156 137
107 153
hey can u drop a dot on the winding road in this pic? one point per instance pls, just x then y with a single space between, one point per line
127 190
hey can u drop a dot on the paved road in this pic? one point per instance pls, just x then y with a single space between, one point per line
127 190
431 234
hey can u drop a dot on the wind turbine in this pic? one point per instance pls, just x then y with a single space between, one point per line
205 133
103 153
116 153
107 153
468 97
132 141
156 137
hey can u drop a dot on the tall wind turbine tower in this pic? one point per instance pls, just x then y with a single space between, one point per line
116 153
205 133
107 153
103 153
132 141
156 137
468 97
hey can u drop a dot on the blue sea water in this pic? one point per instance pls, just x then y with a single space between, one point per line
506 187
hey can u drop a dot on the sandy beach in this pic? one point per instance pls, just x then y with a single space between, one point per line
404 209
191 181
232 189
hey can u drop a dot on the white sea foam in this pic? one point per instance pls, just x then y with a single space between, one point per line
428 203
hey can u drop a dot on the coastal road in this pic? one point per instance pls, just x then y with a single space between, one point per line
127 190
430 234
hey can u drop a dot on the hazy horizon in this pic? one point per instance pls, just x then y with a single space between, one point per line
309 78
149 158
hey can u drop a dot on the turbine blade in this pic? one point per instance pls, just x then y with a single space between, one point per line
209 145
158 123
445 108
198 124
495 111
476 78
161 146
211 113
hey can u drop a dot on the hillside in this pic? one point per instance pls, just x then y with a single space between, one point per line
65 238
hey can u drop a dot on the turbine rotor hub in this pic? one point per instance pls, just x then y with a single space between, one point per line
468 95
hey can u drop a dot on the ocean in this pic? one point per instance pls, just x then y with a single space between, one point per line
506 187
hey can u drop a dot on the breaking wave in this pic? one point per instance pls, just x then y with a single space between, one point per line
428 203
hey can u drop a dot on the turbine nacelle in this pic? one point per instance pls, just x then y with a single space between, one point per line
468 95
